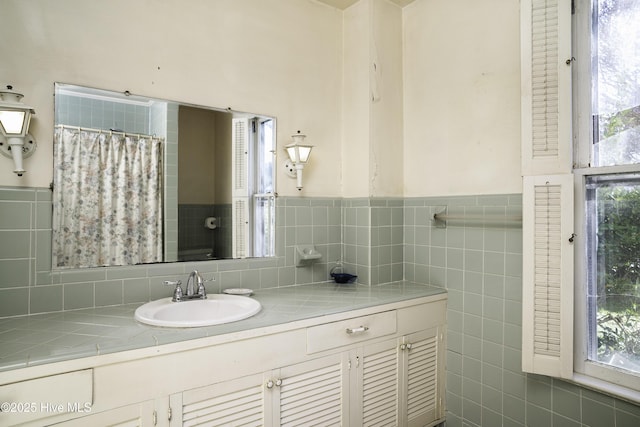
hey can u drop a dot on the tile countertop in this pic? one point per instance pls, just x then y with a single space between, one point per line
47 338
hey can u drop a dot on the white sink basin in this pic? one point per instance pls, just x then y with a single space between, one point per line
214 310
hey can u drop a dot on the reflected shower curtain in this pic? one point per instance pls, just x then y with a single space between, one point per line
107 198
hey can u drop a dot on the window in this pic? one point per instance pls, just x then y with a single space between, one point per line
253 175
264 201
581 191
613 274
615 82
607 118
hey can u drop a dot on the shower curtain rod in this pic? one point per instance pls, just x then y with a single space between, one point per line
110 132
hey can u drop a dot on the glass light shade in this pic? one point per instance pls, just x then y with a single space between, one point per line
14 126
14 122
304 151
298 151
14 115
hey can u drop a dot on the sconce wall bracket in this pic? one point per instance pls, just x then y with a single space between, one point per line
28 147
290 169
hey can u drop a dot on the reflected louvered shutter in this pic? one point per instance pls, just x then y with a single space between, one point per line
547 269
240 191
240 233
548 204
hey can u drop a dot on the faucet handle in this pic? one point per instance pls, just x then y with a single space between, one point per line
202 292
177 293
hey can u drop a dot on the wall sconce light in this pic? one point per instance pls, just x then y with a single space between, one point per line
15 140
298 157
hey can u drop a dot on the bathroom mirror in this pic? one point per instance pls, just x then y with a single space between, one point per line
140 180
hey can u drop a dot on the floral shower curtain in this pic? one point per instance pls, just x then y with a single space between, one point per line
107 198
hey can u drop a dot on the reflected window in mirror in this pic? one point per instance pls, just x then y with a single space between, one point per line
213 183
264 202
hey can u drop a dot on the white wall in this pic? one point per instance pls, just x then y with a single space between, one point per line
273 57
356 101
372 100
386 109
448 122
461 97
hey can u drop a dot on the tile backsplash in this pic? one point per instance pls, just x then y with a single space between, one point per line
365 234
28 285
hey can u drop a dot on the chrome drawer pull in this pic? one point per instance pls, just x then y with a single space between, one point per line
357 330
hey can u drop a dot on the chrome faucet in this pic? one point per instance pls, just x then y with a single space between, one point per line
195 288
192 291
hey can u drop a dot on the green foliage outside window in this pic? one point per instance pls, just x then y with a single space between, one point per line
618 254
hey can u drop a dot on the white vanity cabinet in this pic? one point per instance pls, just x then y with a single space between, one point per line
136 415
423 381
380 366
46 397
381 369
311 393
400 381
240 401
307 393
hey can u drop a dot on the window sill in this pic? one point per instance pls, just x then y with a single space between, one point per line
611 389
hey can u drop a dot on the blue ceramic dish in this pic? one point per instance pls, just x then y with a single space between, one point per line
343 277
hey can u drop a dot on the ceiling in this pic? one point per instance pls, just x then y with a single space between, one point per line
343 4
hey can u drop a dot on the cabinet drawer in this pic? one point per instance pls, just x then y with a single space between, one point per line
350 331
31 400
420 317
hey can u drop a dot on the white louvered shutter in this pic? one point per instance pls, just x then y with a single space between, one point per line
546 86
547 270
240 188
548 203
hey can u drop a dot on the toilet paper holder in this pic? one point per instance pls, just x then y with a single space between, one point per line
211 222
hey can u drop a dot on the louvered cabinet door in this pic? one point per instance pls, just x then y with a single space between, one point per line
423 375
239 402
379 384
313 393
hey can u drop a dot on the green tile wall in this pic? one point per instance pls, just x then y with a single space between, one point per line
29 286
304 221
481 267
373 240
378 239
